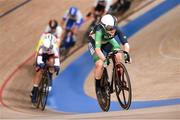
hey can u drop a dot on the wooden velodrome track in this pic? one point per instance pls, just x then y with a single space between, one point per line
155 70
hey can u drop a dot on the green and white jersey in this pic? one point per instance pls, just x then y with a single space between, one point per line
106 42
101 37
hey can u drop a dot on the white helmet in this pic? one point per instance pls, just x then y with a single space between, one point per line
48 41
108 21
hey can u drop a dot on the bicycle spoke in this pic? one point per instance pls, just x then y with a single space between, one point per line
118 90
124 97
44 96
124 84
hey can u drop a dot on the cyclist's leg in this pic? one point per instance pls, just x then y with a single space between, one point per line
72 36
98 63
64 33
98 70
36 81
68 26
75 29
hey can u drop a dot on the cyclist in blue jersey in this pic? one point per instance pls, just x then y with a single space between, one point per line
71 21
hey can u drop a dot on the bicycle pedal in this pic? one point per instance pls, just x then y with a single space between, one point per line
33 105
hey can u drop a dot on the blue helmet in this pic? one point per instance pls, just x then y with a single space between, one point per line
73 11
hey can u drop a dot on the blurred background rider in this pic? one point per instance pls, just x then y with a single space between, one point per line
100 7
72 20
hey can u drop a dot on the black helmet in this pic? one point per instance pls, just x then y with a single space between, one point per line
101 0
53 24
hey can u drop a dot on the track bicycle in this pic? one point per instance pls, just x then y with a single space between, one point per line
120 83
43 89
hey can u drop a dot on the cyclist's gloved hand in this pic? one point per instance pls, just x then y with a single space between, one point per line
56 68
41 65
126 57
106 63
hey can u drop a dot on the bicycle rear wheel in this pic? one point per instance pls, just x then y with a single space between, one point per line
123 86
103 94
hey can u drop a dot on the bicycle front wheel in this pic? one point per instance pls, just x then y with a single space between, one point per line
43 91
44 96
38 98
123 86
103 94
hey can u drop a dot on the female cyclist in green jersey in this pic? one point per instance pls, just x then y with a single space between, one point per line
105 38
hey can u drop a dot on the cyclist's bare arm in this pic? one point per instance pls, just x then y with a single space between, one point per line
39 56
56 58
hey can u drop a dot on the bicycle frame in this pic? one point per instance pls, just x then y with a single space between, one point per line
111 56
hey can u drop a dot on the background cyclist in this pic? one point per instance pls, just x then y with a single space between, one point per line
49 52
100 7
72 20
102 41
